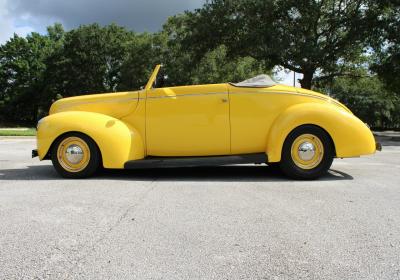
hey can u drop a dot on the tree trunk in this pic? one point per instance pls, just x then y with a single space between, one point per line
306 82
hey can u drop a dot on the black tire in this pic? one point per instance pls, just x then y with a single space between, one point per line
93 163
291 169
274 167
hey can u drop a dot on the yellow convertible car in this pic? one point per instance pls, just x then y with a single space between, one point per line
255 121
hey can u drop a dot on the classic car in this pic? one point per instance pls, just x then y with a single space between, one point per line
256 121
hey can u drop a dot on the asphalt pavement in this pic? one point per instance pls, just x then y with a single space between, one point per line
232 222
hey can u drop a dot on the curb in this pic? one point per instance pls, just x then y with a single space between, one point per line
17 137
388 138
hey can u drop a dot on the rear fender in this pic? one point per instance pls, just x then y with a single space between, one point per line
350 136
118 142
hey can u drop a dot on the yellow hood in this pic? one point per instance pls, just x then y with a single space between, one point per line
116 105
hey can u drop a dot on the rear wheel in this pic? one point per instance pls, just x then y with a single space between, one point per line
75 155
307 153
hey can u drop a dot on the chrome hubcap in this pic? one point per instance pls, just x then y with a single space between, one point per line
306 151
74 154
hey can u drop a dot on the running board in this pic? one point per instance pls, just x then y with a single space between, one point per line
157 162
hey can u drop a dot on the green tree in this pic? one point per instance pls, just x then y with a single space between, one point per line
52 81
368 99
304 36
22 79
185 67
89 60
215 67
387 45
143 52
179 61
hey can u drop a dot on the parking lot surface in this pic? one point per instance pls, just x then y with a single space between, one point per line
232 222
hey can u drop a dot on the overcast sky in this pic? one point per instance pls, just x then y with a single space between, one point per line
25 16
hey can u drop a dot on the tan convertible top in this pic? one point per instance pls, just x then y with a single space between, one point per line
258 81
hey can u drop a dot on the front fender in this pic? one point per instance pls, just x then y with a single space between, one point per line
351 137
118 142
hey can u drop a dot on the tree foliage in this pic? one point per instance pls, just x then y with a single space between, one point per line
89 59
216 66
301 35
184 67
368 99
387 46
22 76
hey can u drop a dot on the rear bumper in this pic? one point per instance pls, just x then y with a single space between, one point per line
35 153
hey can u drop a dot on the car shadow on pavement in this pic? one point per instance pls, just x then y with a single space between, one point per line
233 173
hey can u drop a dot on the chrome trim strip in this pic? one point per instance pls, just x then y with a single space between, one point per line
185 95
243 92
288 92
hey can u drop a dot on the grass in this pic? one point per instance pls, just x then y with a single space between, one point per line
17 132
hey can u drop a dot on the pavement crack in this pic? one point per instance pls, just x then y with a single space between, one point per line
92 247
133 206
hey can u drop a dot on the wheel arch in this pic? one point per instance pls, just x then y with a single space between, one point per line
314 125
117 141
343 128
48 154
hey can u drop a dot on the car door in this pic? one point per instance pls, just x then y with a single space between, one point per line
252 114
253 111
188 121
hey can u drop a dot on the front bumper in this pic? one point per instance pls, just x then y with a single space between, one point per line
35 153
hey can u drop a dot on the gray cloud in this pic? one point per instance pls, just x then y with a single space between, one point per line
139 15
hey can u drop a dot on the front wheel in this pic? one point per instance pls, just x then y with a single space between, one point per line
75 155
307 153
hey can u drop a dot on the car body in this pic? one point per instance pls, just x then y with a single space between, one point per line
209 124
